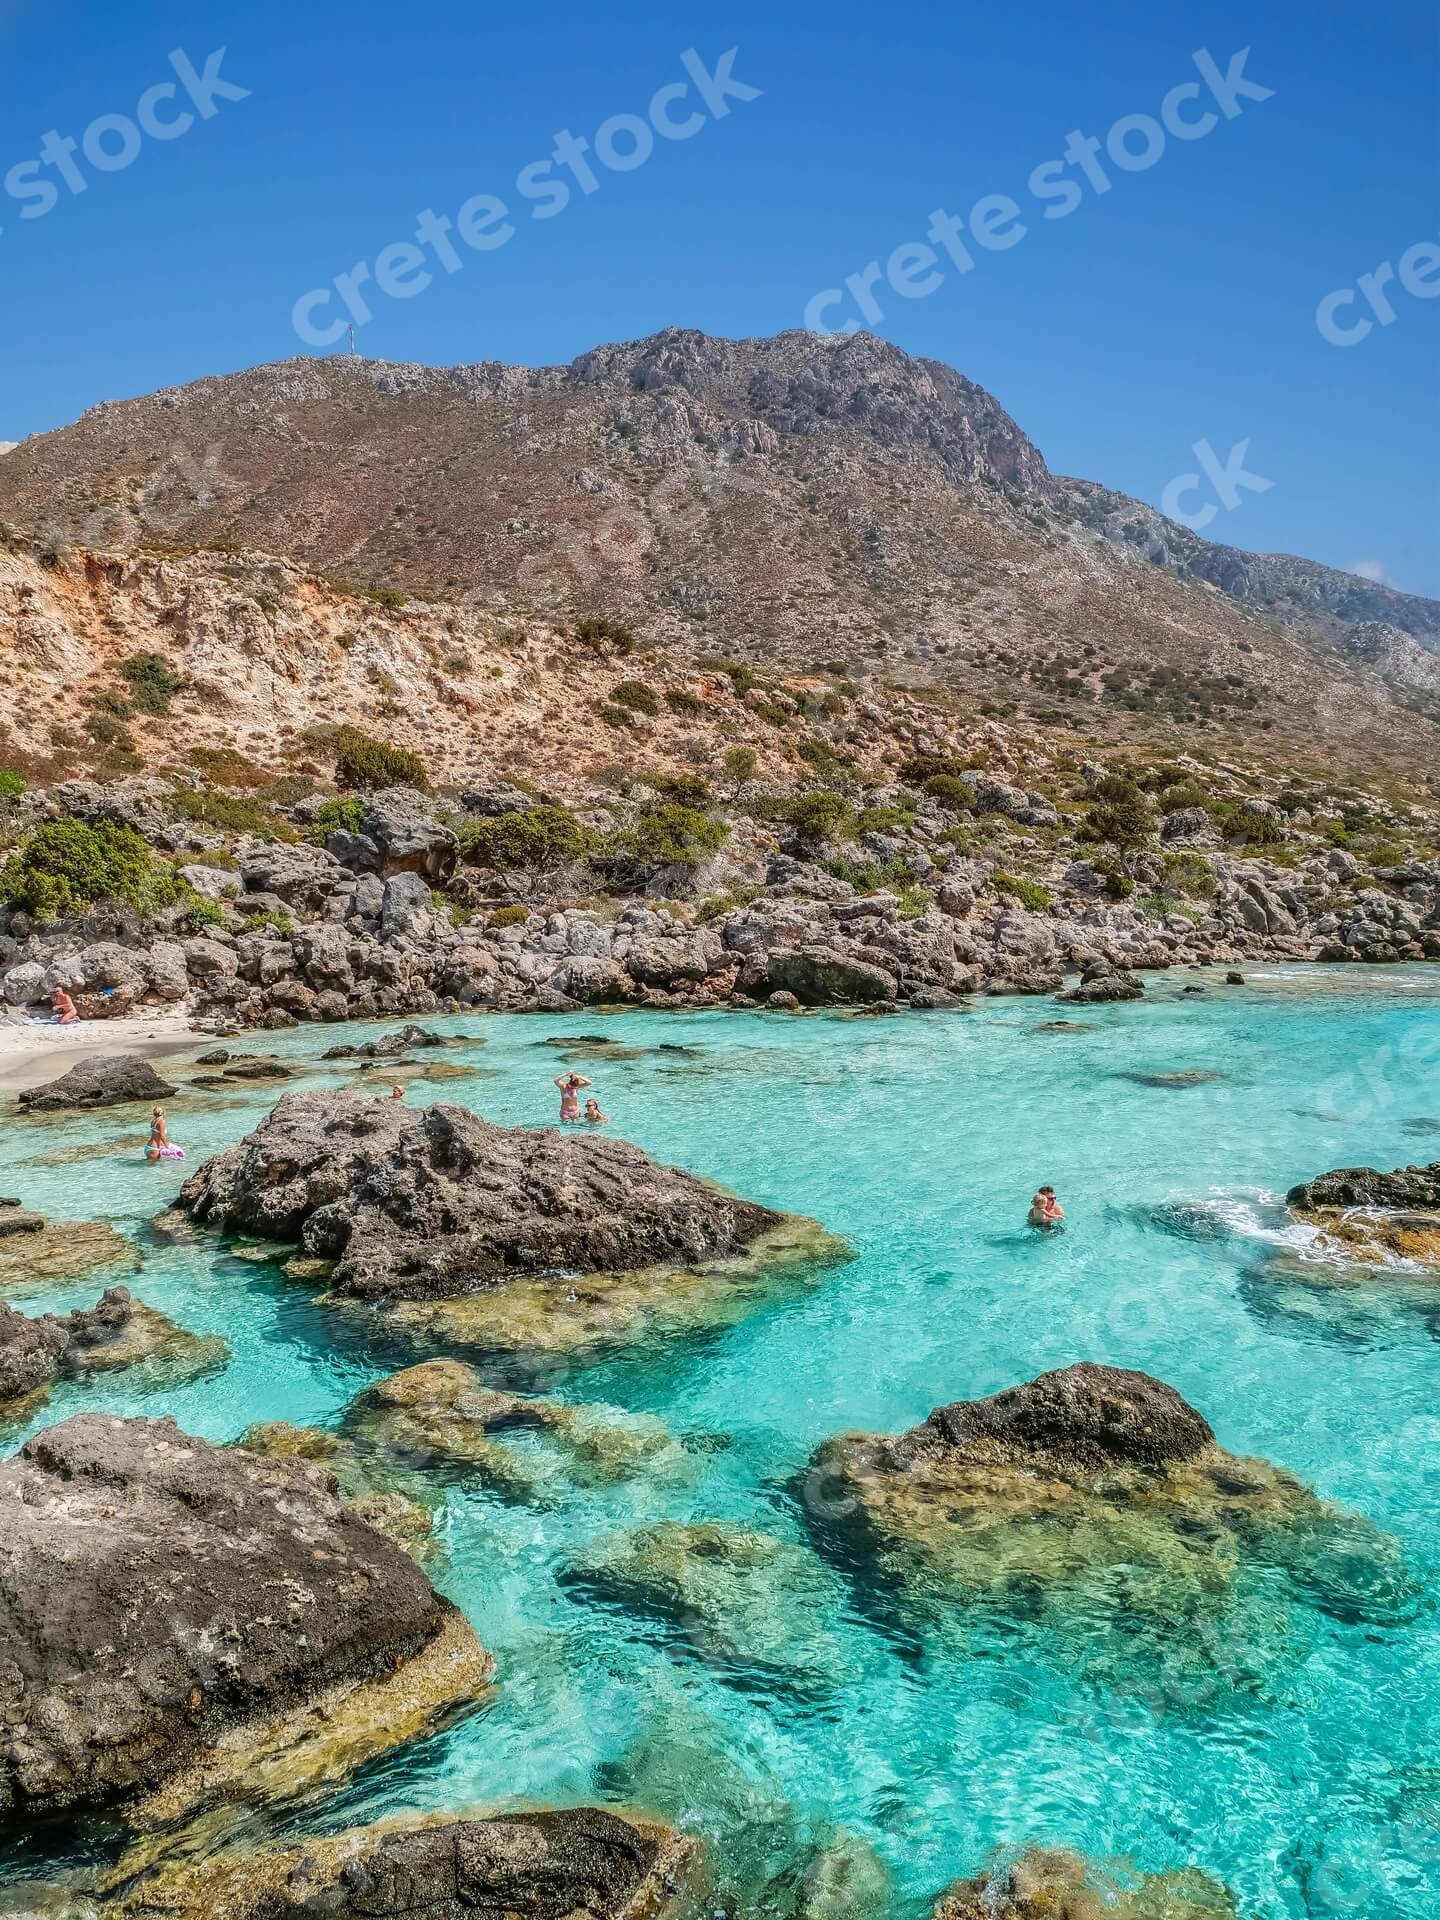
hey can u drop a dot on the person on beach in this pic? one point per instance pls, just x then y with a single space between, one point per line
1046 1214
160 1146
570 1085
64 1008
593 1113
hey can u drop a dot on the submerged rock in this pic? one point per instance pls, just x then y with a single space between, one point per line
502 1238
1094 1494
577 1864
441 1411
739 1596
391 1511
45 1251
1102 983
180 1622
100 1081
117 1332
1048 1884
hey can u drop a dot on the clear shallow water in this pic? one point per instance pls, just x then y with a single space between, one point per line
1314 1791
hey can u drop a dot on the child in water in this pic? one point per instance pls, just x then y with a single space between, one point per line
593 1113
570 1085
1046 1214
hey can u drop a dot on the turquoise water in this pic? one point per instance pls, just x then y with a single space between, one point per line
1313 1788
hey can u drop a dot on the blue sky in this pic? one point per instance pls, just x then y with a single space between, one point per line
1178 306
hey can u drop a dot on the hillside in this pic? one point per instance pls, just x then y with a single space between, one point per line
791 503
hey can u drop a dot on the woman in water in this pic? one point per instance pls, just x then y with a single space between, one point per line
159 1146
593 1113
570 1085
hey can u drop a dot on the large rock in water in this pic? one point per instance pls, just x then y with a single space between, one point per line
180 1621
1091 1495
429 1203
578 1864
116 1332
1405 1189
1048 1884
100 1081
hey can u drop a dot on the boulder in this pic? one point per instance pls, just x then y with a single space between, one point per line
98 1081
211 963
1406 1189
302 876
25 984
180 1621
1101 983
822 976
1051 1884
417 1204
407 911
166 970
117 1332
1094 1495
582 1863
408 838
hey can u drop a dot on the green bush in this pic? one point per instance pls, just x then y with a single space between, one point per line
1255 829
883 819
537 837
276 922
819 815
687 789
153 683
1189 873
740 763
227 767
202 913
679 701
1183 794
921 767
1118 884
950 790
64 867
346 815
11 785
595 630
1121 815
362 762
230 813
509 916
913 902
872 876
671 833
635 695
1028 892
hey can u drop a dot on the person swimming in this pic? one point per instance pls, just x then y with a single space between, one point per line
1046 1214
570 1085
593 1113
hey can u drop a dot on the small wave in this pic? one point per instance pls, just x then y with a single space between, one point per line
1247 1213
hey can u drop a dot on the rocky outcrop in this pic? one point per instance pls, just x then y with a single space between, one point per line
440 1415
99 1081
1406 1189
117 1332
735 1595
1101 983
180 1621
35 1252
438 1202
577 1864
1090 1489
1049 1884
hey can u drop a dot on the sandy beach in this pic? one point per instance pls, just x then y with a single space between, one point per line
31 1054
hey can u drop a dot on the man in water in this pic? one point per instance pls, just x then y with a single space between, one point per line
1046 1214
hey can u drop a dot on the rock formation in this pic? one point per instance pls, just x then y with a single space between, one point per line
1090 1485
180 1622
1378 1220
35 1252
440 1414
580 1864
1407 1189
116 1332
1048 1884
99 1081
511 1238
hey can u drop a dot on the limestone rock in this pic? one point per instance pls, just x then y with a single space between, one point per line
1407 1188
1050 1884
98 1081
180 1620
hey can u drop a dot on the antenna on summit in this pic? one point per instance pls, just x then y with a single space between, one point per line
351 347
